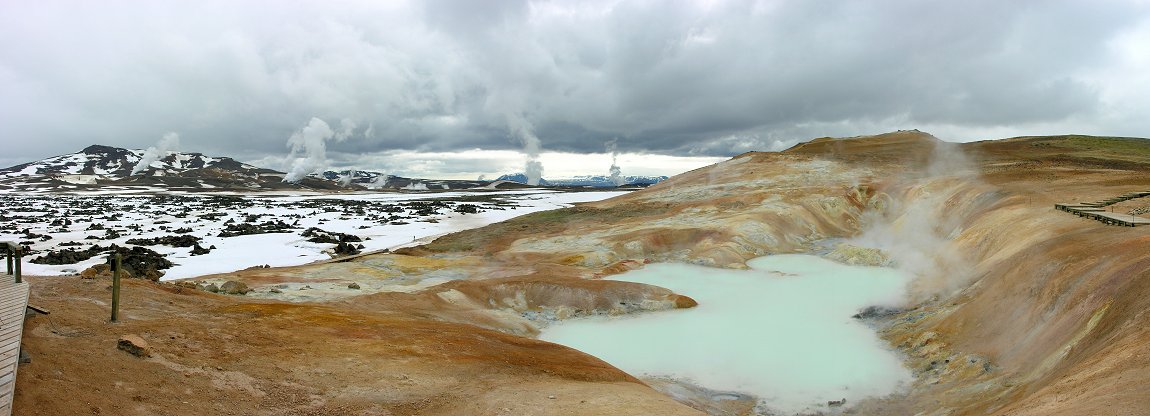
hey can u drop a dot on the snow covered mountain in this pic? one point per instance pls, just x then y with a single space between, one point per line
377 180
521 178
101 166
117 162
594 181
602 181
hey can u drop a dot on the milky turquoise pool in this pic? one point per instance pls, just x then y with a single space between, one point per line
781 331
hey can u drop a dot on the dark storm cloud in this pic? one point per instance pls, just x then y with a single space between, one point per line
706 77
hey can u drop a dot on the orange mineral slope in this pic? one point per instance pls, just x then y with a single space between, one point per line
1017 308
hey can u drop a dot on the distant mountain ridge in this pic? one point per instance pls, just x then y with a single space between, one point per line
594 181
99 166
378 180
521 178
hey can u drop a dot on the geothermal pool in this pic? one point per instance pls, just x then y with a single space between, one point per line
781 331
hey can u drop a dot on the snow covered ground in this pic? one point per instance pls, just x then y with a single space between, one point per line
381 220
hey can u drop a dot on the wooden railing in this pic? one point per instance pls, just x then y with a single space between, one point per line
12 254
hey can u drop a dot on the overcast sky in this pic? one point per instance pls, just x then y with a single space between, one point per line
453 88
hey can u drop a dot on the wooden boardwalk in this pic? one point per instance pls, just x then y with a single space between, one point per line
13 303
13 306
1097 210
1120 198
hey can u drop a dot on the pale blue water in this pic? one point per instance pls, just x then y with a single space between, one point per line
781 331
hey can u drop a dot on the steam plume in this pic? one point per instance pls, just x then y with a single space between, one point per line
370 131
524 131
308 151
615 171
345 180
379 181
917 234
346 129
170 142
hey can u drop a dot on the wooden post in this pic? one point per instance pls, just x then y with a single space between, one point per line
8 256
19 255
116 286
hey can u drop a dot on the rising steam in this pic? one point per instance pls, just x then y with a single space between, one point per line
308 151
370 131
615 171
525 132
170 142
346 129
379 181
345 180
916 230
